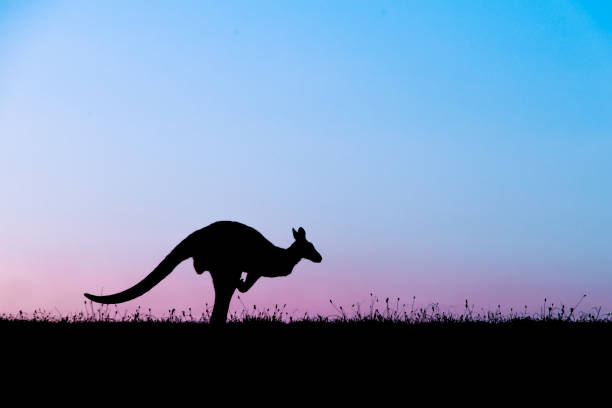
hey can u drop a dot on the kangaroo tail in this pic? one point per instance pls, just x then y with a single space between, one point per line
175 257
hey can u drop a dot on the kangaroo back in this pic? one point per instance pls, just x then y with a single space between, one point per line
175 257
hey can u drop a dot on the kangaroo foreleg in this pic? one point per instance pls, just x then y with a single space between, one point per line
247 284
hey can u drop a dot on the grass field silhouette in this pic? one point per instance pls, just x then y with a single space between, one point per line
387 312
383 335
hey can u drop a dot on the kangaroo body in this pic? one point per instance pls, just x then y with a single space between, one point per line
226 249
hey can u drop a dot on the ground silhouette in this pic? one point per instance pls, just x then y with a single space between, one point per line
226 249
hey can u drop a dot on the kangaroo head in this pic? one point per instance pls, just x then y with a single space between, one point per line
304 248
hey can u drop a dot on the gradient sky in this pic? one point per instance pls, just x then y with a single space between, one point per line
443 150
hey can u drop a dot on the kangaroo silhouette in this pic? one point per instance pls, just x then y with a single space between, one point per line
226 249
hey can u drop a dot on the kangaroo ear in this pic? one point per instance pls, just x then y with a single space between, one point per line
300 234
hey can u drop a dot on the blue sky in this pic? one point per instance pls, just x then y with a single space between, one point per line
444 150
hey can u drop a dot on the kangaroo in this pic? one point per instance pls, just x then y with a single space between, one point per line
226 249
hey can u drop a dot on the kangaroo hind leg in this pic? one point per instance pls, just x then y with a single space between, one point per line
225 284
198 265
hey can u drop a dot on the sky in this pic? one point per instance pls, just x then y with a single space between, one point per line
440 150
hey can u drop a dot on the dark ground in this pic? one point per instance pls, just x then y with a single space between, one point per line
247 340
365 356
